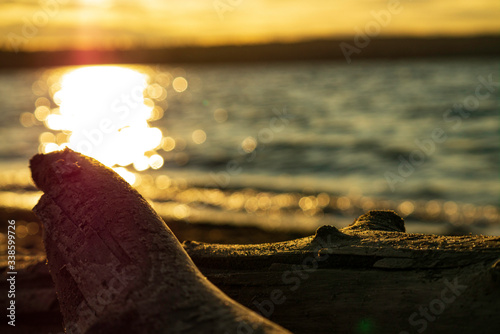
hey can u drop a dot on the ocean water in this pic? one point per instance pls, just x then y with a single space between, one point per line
417 136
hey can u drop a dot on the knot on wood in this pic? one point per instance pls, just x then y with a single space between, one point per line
379 220
190 244
327 232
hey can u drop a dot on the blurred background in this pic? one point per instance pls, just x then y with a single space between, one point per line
274 117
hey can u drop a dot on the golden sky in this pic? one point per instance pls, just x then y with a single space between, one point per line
63 24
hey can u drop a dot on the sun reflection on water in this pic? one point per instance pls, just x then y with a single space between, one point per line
103 112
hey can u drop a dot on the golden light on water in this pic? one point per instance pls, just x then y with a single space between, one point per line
102 112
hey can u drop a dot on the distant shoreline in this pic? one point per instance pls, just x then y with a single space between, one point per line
389 48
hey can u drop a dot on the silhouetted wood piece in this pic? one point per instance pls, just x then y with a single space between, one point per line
116 266
369 277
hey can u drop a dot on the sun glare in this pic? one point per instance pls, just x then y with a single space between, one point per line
94 2
103 113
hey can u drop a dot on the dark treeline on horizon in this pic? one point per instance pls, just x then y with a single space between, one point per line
348 50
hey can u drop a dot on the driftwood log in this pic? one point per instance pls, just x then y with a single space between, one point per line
370 277
116 266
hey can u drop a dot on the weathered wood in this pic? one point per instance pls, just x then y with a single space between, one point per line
116 266
354 280
364 279
370 277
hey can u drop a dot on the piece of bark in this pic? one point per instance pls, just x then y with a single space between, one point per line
116 265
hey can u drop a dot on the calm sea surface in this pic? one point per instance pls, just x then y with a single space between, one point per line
420 134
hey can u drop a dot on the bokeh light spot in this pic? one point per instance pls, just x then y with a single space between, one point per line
163 79
343 203
406 208
433 208
42 102
27 119
155 161
163 182
199 136
220 115
33 228
155 91
180 84
21 231
47 137
41 113
249 144
181 211
168 144
39 87
141 164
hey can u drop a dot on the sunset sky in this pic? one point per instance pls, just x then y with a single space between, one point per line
63 24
